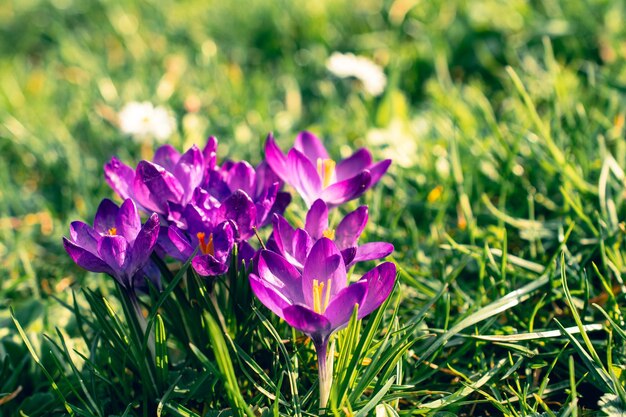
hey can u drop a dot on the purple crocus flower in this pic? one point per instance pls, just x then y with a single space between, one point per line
295 244
171 178
117 244
260 184
319 300
308 168
214 229
214 247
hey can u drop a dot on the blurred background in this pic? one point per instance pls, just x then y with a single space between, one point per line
239 70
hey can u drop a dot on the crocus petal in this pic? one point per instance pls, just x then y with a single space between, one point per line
340 309
265 178
86 259
240 209
307 321
348 255
268 295
154 187
380 281
355 164
303 176
283 233
302 243
210 152
264 203
351 227
208 266
276 159
120 177
223 240
176 244
372 250
245 253
310 146
84 236
280 204
241 176
281 275
127 221
378 170
166 156
346 190
190 171
105 216
324 265
144 243
317 219
114 251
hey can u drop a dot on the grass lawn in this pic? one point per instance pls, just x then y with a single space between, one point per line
505 203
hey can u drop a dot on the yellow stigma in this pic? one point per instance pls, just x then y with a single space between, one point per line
326 170
112 231
319 304
206 248
329 233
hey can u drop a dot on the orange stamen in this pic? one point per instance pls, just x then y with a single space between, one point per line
206 248
112 231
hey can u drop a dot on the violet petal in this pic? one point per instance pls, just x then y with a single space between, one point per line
127 222
154 187
276 159
310 146
105 216
303 176
340 309
114 251
271 298
380 282
372 250
307 321
239 208
86 259
324 265
120 177
351 227
346 190
317 219
84 236
190 171
353 165
378 170
209 266
144 243
281 275
166 156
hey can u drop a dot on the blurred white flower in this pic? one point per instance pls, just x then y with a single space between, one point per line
349 65
396 142
144 121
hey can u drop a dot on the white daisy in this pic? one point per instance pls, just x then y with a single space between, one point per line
144 121
365 70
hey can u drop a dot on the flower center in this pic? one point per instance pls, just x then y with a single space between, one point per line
326 171
206 248
329 233
319 305
112 231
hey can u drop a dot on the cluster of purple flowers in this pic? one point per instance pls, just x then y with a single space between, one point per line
197 207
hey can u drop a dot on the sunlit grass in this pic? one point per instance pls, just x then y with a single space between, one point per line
505 204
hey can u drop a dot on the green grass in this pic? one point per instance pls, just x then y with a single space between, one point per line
506 212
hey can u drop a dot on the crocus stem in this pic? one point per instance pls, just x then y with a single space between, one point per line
325 371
